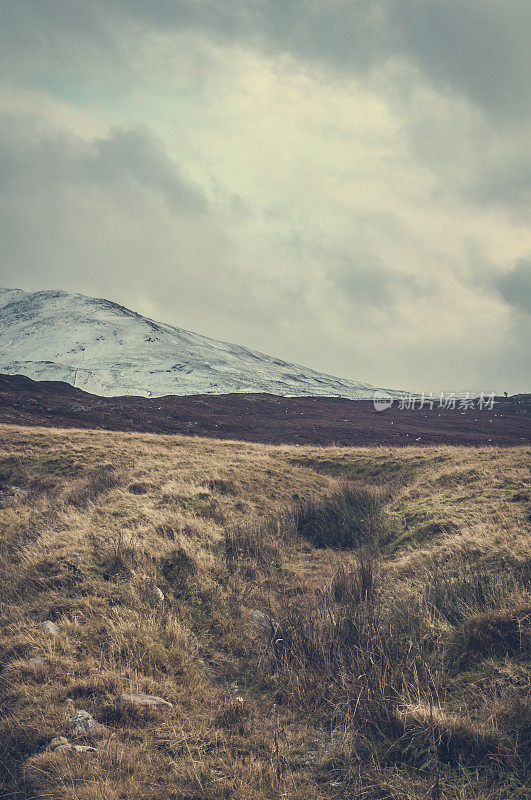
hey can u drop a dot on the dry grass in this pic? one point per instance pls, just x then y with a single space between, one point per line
387 660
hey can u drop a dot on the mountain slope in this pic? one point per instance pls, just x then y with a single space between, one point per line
106 349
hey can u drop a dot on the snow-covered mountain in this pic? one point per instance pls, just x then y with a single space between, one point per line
107 349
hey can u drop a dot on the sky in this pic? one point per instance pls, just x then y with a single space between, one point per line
341 183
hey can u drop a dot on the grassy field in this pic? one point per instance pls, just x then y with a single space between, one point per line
327 623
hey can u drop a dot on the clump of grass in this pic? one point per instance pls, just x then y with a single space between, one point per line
177 566
222 486
473 587
458 740
118 560
255 545
236 714
338 654
140 487
495 632
346 520
99 480
365 649
353 585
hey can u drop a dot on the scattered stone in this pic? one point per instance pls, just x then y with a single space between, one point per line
37 661
145 701
83 722
10 494
83 748
263 623
50 628
60 744
57 741
231 687
74 748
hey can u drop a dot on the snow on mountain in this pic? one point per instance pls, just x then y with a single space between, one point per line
107 349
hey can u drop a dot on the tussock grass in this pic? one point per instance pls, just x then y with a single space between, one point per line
348 519
328 623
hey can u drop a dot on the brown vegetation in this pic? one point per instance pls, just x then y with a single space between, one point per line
266 418
327 623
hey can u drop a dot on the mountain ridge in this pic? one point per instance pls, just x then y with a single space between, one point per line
265 418
108 349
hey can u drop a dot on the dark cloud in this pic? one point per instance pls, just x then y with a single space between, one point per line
102 215
135 157
368 284
478 47
515 286
353 242
33 155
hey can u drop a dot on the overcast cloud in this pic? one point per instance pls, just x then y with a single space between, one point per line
343 184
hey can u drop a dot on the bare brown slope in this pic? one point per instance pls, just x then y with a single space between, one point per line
261 417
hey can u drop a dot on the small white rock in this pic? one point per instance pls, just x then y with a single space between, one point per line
61 745
263 623
50 628
63 748
146 701
57 741
37 661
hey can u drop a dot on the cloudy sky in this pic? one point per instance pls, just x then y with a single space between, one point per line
342 183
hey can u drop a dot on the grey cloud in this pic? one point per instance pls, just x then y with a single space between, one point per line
485 164
31 155
104 216
506 182
478 47
115 216
135 157
515 286
369 284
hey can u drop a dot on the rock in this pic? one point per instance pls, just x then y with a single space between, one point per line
159 594
263 623
74 748
37 661
243 506
145 701
83 748
83 722
61 745
57 741
50 628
